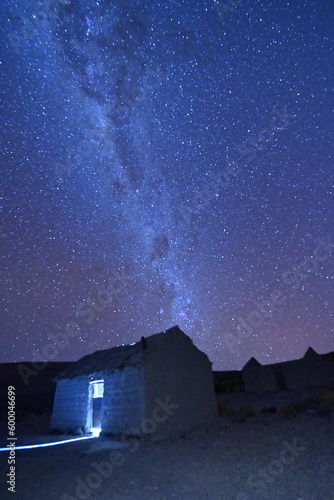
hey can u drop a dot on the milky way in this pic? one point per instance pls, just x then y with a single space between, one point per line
167 163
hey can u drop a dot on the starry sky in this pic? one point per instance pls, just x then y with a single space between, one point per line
167 163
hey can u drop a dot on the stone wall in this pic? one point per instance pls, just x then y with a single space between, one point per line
259 379
123 401
179 387
71 404
289 375
301 374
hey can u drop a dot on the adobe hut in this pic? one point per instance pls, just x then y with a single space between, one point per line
159 386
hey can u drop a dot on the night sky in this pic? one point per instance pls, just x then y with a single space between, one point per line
167 163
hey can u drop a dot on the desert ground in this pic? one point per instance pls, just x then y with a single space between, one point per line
261 447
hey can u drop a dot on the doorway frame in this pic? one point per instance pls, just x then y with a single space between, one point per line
91 389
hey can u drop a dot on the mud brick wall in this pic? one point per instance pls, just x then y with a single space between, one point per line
123 401
71 404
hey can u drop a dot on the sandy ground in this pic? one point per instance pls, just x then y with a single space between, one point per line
266 456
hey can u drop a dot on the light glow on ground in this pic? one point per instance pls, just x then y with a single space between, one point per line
96 431
55 443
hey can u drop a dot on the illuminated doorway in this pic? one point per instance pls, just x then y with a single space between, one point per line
96 388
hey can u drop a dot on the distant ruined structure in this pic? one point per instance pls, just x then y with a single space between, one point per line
313 370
